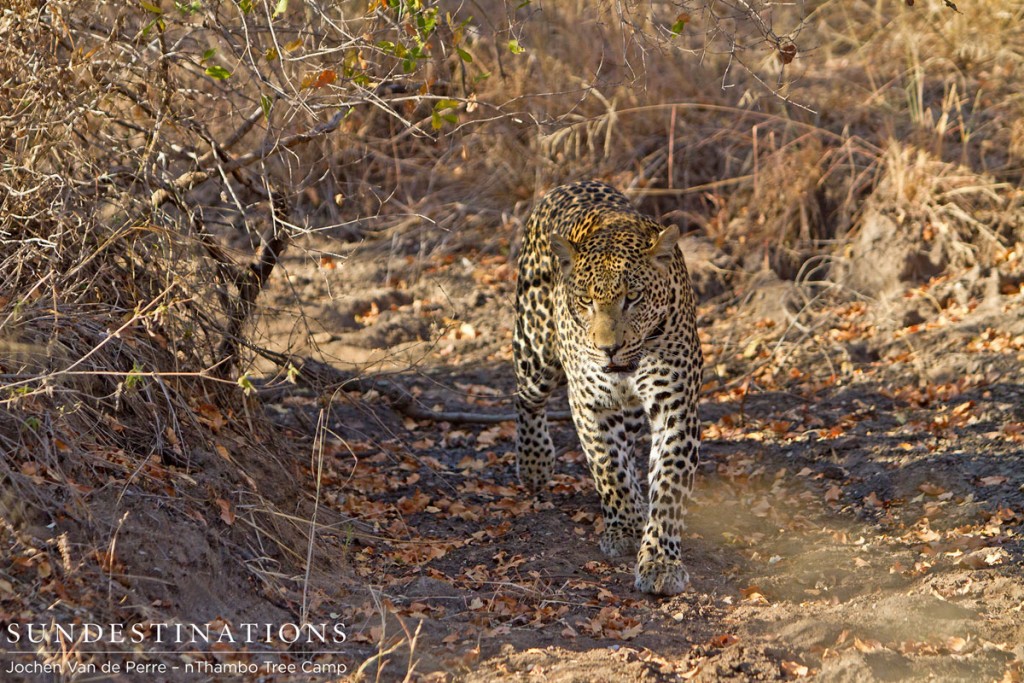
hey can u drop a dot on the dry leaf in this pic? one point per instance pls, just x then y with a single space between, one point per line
833 494
786 53
761 508
956 644
723 640
210 415
873 500
983 558
794 669
868 646
753 595
227 515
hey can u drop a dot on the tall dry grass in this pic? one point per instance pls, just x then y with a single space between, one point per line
144 200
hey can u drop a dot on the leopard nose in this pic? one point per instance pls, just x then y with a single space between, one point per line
610 349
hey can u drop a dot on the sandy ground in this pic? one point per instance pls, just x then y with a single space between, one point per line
858 514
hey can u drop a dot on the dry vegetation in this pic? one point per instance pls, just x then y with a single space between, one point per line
848 177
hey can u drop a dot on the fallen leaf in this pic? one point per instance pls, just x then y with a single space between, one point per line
983 558
794 669
753 595
868 646
211 416
222 451
44 570
227 515
723 640
931 489
761 508
833 494
956 644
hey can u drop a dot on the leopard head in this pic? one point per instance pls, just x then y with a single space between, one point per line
616 287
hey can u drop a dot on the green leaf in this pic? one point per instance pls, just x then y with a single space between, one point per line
134 378
245 382
523 4
280 8
188 7
150 7
445 104
680 23
464 56
209 53
435 121
515 48
245 6
158 22
265 104
218 72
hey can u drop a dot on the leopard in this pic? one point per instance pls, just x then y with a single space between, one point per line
605 306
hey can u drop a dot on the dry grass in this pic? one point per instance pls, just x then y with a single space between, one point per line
114 312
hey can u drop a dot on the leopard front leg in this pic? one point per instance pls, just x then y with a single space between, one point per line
535 452
607 436
675 441
538 373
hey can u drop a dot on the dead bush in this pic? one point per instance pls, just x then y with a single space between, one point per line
924 218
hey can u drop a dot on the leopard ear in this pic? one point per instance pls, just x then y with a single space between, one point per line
564 252
664 248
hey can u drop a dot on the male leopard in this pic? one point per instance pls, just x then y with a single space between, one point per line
604 300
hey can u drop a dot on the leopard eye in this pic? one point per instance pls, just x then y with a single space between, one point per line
633 295
585 301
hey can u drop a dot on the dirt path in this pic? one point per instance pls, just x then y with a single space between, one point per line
858 515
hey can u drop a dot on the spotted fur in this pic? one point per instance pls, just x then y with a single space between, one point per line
604 301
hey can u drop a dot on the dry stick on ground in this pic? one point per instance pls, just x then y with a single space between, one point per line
324 377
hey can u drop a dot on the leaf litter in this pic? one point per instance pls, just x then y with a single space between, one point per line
850 519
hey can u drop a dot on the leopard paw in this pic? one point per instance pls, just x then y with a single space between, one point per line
660 576
534 479
617 541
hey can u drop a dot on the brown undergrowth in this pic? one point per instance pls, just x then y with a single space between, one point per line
850 194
